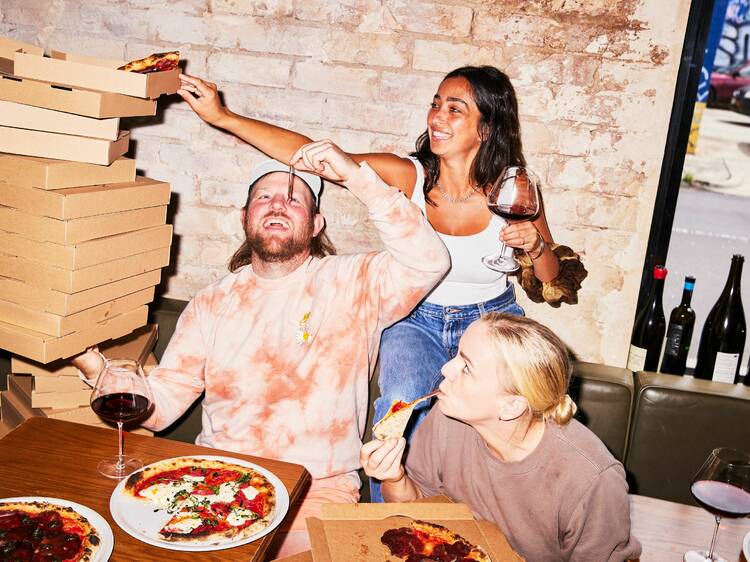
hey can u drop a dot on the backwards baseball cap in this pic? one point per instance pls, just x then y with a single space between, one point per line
269 166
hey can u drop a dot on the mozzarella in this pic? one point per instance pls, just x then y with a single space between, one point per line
225 494
238 516
184 524
249 492
163 494
191 478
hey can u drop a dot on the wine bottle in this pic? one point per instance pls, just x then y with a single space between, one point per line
649 327
723 336
679 332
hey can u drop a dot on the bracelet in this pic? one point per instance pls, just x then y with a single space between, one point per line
538 248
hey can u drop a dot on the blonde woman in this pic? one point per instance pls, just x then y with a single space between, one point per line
502 440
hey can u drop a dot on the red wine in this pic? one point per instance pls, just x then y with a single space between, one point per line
120 406
679 333
722 499
723 336
649 327
513 212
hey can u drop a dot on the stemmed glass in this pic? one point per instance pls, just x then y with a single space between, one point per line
514 197
721 486
121 394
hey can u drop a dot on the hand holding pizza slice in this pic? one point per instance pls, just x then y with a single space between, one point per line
156 62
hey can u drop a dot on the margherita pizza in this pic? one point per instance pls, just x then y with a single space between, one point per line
207 499
153 63
43 532
422 542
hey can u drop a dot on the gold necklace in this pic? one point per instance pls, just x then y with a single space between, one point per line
448 197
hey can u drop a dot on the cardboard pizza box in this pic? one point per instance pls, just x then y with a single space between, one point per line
55 325
86 254
135 345
63 147
8 49
64 304
43 384
25 386
346 532
87 201
46 173
39 119
5 429
301 557
44 348
19 411
71 231
95 74
79 101
73 281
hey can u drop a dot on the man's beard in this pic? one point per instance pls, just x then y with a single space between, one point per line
271 248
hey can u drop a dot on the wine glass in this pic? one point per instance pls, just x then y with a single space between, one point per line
514 197
121 394
721 486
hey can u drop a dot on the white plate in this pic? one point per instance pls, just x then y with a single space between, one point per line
138 518
746 546
98 522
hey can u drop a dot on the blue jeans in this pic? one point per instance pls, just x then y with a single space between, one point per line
413 351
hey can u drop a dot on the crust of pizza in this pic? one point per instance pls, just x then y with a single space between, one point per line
256 480
394 423
90 539
156 62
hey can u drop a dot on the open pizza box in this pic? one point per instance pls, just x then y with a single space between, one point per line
39 119
78 101
91 200
95 74
346 532
136 345
64 304
8 49
50 174
63 147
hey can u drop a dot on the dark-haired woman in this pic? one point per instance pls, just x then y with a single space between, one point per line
473 132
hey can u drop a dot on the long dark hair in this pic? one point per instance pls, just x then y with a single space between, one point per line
320 246
499 129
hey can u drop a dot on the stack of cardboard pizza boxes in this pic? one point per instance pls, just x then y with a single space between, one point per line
82 237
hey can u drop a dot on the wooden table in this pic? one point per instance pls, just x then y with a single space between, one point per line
667 530
53 458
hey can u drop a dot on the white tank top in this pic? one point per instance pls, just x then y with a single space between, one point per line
468 281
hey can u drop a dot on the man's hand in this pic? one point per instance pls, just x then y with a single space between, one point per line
203 98
326 159
382 459
89 363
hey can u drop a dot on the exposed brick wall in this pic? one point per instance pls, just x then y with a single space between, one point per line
595 81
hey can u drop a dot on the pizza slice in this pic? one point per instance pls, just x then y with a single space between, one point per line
428 542
395 421
156 62
206 499
46 531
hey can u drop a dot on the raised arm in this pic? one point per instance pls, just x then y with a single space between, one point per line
277 142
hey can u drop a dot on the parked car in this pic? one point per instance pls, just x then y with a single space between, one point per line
740 101
726 81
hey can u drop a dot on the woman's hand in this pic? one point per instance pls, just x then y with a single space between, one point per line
325 159
522 235
382 459
203 98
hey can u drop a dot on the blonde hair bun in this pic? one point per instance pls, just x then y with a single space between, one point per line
563 411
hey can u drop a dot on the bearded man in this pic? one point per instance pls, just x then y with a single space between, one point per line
285 344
